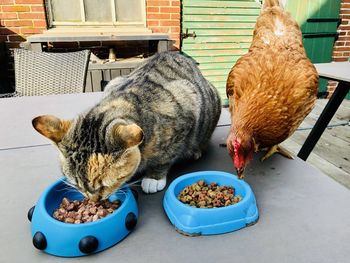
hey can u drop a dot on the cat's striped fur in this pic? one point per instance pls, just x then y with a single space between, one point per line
162 112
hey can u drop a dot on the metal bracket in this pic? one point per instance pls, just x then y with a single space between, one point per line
186 34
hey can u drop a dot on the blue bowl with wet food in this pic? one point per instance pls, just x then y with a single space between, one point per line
212 202
85 234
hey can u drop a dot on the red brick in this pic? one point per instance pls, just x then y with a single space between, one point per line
344 28
158 16
90 44
3 38
345 11
340 59
175 29
174 36
18 23
32 30
65 44
9 30
168 23
157 3
175 16
344 16
15 8
152 9
29 2
160 30
175 3
7 2
31 16
343 38
40 23
153 23
37 8
8 15
339 43
344 22
337 54
170 9
341 48
15 38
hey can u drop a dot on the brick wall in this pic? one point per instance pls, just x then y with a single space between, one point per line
19 19
341 50
163 16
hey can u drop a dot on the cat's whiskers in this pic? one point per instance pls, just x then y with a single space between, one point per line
134 183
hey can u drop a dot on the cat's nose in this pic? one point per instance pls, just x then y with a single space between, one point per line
94 197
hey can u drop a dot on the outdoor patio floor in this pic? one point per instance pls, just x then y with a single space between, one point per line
331 155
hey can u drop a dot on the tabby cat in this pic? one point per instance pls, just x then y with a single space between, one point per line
162 112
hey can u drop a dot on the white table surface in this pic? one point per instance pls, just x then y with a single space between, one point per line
334 70
16 114
304 215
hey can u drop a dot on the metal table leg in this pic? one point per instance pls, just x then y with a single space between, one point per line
325 117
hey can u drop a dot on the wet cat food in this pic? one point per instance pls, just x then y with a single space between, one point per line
78 212
203 195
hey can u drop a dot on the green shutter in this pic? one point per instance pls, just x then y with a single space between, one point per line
318 20
223 30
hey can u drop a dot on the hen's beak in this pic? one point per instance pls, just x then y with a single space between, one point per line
240 173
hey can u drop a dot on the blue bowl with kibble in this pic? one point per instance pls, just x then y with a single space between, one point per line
194 221
72 240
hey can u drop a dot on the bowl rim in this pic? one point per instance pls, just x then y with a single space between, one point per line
51 219
179 179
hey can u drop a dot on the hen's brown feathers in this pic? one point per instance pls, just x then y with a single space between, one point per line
273 87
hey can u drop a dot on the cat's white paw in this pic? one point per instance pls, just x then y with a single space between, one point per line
150 186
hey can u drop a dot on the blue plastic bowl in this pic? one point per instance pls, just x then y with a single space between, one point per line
73 240
208 221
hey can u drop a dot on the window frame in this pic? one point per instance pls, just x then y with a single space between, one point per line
84 23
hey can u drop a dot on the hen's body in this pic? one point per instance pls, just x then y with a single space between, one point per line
273 87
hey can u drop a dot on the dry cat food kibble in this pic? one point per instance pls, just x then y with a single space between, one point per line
202 195
78 212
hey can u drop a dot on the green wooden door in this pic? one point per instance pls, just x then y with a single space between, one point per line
223 33
318 20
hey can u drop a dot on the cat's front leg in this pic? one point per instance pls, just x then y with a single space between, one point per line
154 180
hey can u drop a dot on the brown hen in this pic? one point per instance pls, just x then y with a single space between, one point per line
271 89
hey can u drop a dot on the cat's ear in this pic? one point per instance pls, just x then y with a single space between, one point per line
131 134
51 127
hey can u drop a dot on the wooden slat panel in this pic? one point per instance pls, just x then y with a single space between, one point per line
220 4
88 84
220 11
229 18
216 72
96 77
218 52
218 39
216 59
106 75
302 10
224 32
218 78
217 65
214 46
219 25
115 73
